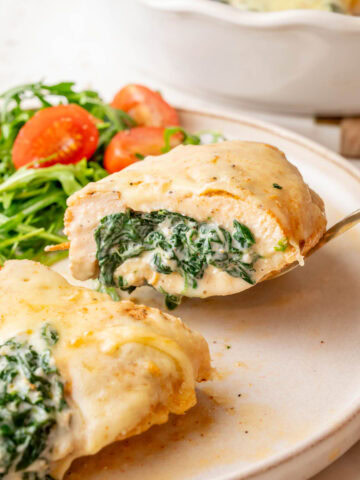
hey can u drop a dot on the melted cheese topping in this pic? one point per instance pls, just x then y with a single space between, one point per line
125 367
225 181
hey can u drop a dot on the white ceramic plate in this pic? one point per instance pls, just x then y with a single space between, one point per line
287 399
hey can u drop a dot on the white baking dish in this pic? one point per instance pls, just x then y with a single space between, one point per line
295 61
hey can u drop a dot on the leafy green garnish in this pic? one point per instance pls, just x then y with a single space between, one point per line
188 139
276 185
31 398
282 245
179 244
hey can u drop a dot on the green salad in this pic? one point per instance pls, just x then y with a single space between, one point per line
33 200
43 161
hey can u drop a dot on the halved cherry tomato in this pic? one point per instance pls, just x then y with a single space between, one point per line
129 146
147 107
64 134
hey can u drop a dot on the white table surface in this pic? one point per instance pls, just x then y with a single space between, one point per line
79 40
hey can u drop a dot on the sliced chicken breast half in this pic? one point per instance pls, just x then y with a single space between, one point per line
197 221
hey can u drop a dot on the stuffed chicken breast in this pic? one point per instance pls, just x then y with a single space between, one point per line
197 221
79 371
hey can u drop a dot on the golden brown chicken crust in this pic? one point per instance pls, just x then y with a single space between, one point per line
125 367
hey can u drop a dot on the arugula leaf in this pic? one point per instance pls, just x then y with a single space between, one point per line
32 206
71 177
188 139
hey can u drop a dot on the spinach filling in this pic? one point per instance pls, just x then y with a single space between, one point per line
179 244
31 397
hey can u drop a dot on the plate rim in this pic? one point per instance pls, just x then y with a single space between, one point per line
340 424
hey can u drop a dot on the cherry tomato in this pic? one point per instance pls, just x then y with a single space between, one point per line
147 107
129 146
64 134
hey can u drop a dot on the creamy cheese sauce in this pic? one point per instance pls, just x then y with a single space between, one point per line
214 282
141 269
125 367
171 243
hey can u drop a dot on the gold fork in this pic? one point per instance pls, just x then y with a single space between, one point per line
338 229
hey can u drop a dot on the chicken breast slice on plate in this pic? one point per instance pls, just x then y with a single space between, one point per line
80 371
198 221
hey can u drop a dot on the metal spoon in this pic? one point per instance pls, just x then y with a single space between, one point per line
338 229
